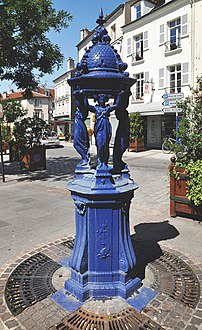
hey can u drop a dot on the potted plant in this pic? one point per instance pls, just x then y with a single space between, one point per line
186 170
27 143
136 132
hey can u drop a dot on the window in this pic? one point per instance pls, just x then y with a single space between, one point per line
139 86
37 102
136 11
175 33
138 47
113 32
175 78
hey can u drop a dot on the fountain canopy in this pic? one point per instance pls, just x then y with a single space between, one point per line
101 69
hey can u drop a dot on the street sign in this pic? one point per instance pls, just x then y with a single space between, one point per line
169 103
172 110
173 96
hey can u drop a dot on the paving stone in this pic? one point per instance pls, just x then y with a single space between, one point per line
191 327
181 325
11 323
6 316
196 321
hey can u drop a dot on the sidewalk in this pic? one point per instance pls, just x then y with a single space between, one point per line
37 215
36 205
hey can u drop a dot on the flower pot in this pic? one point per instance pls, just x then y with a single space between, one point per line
34 158
136 144
179 203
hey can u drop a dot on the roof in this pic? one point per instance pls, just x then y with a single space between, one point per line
20 95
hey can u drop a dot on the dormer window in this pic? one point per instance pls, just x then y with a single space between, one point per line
136 11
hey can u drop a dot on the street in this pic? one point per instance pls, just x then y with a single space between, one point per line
35 207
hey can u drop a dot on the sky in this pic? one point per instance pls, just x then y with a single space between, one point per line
85 14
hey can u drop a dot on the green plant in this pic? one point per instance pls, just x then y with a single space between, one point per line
194 182
189 133
189 146
27 52
27 133
136 126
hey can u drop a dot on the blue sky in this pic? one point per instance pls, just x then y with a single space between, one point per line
85 14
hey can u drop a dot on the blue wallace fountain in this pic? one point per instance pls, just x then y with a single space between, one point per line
103 260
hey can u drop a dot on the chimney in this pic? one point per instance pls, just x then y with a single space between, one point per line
70 64
4 95
84 33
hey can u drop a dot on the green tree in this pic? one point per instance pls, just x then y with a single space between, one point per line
26 53
12 110
189 147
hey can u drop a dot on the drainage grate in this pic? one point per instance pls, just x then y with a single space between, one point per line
30 282
127 319
174 277
69 243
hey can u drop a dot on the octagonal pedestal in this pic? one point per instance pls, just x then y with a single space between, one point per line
103 259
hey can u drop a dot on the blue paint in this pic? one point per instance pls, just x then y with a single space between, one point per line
143 297
103 255
65 300
65 262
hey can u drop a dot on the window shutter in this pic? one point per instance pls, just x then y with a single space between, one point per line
185 73
129 50
146 41
161 78
161 40
146 76
184 25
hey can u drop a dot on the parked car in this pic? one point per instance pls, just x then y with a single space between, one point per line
50 139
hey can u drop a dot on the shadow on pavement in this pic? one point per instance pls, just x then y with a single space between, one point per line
57 169
145 242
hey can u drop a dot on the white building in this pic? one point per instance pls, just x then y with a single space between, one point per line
160 41
41 104
64 103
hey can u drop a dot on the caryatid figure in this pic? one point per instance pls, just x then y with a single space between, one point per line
81 137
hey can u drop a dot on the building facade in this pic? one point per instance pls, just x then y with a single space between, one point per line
41 104
64 103
160 41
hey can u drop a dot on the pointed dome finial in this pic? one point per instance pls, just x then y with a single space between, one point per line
101 19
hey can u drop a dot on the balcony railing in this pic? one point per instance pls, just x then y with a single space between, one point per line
137 56
172 45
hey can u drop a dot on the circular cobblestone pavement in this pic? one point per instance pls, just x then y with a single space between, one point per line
165 309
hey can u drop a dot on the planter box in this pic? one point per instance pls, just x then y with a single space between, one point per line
136 145
34 159
179 202
5 146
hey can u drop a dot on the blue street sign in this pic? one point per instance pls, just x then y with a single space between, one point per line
173 96
169 103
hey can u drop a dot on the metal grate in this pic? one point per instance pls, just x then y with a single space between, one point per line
127 319
30 282
69 243
174 277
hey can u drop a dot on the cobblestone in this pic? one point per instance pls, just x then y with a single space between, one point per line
162 309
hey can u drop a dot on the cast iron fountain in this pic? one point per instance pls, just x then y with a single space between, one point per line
103 260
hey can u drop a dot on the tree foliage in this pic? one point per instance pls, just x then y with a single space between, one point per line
26 53
189 132
12 110
136 125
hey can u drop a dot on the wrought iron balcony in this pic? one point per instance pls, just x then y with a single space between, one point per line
173 44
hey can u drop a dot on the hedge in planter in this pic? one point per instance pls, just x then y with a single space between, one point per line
27 135
136 132
186 170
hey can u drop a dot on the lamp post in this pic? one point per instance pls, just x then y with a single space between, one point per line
103 258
